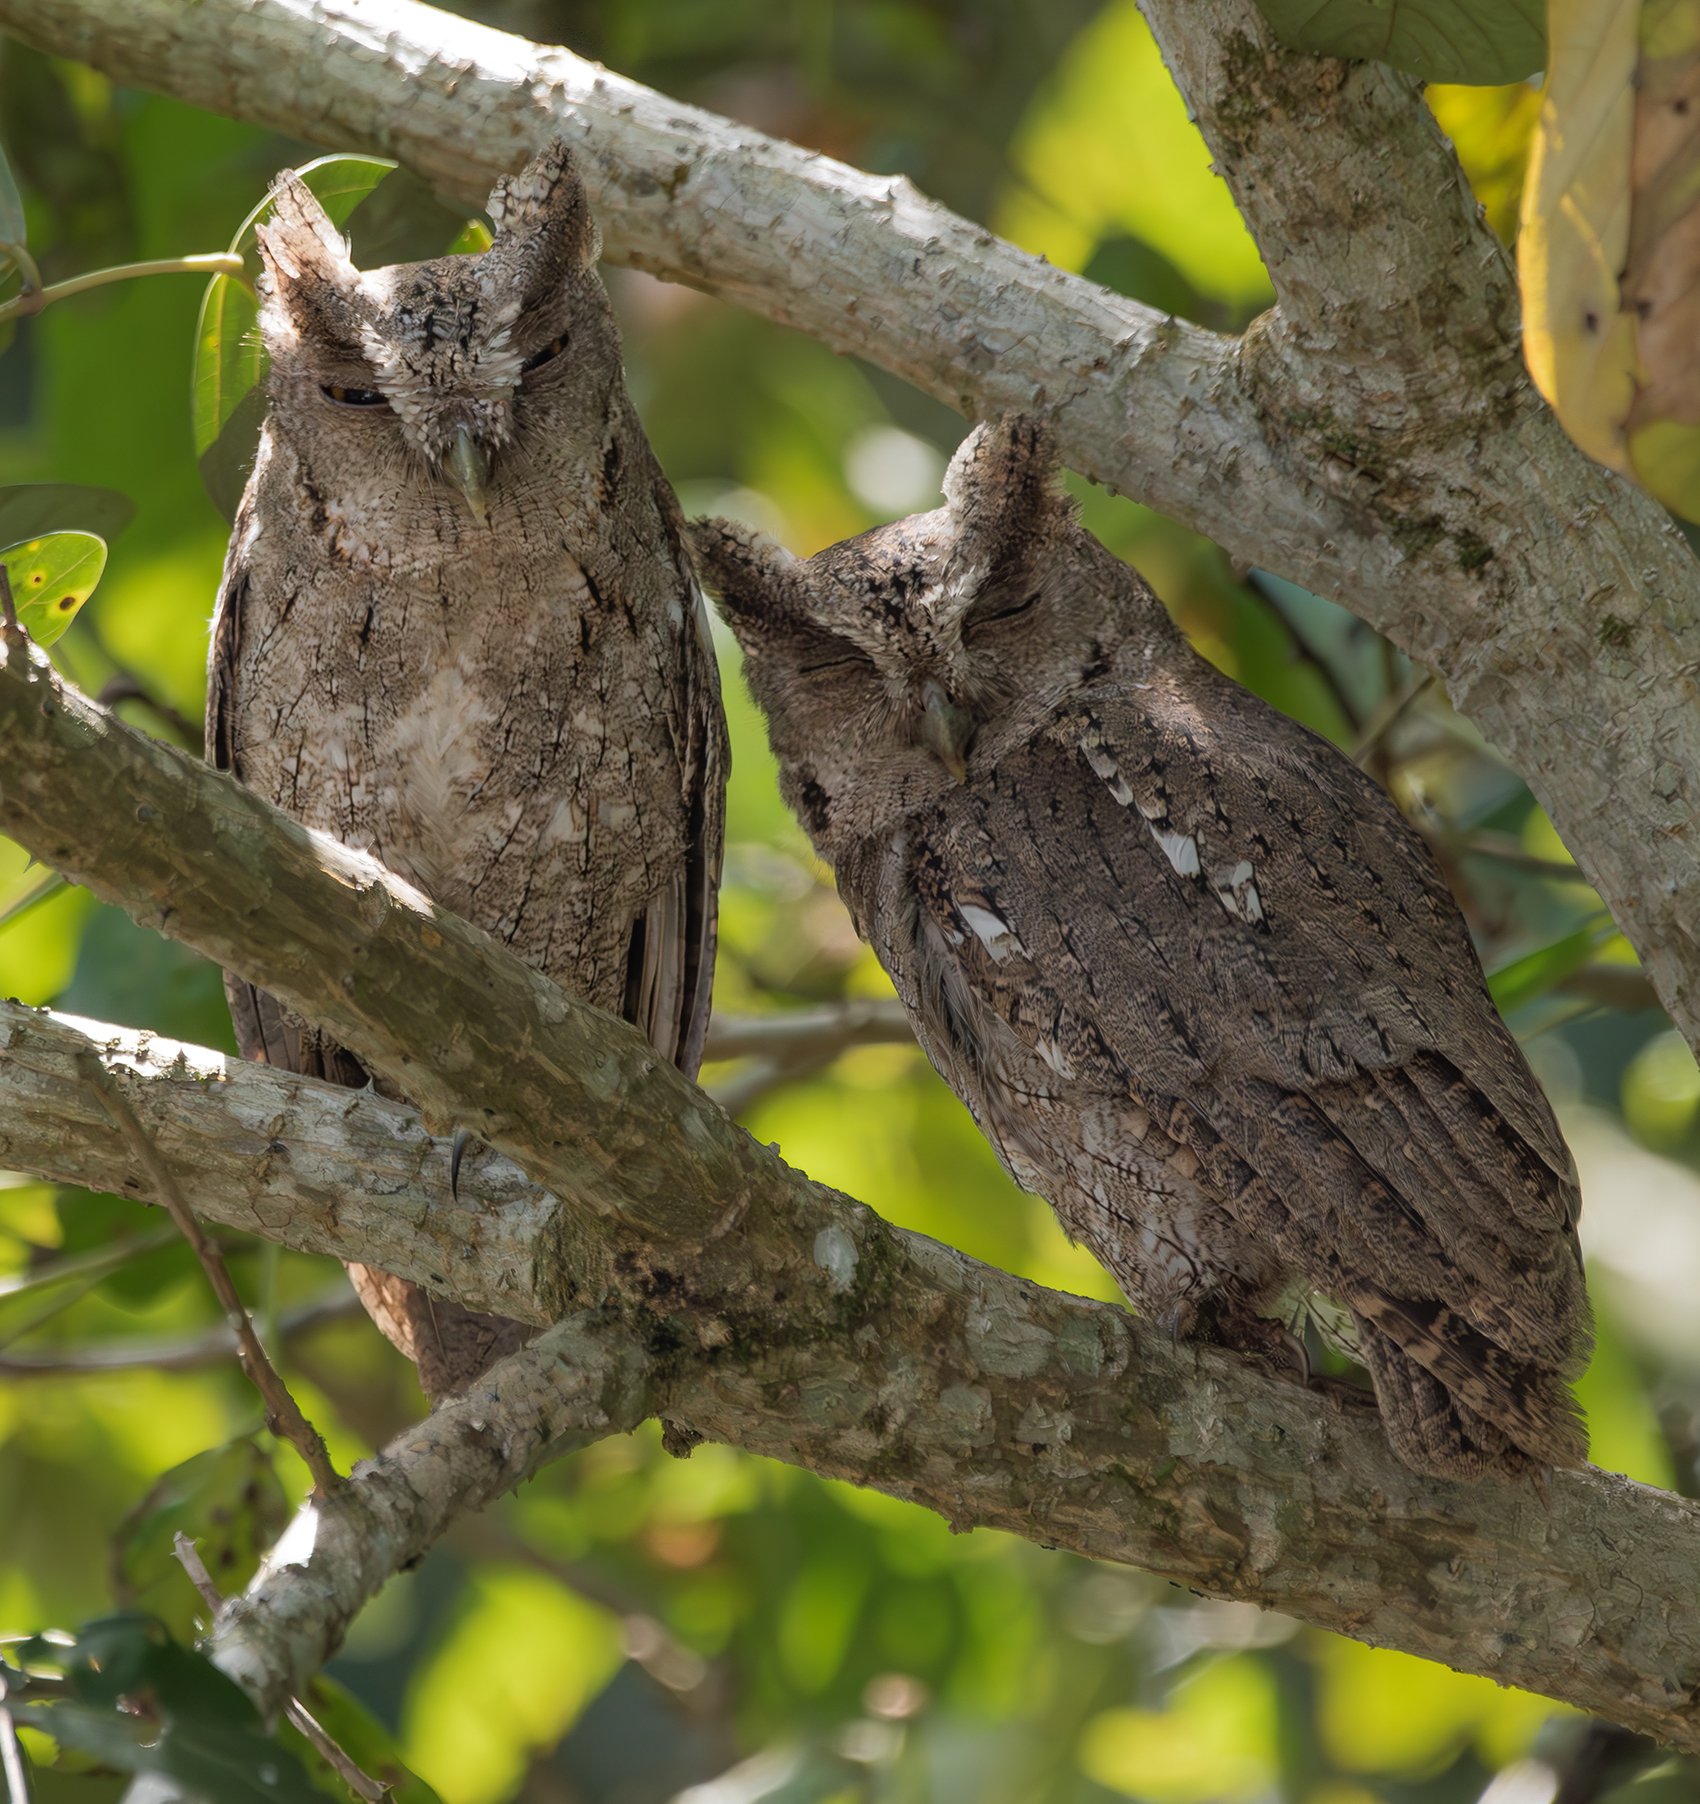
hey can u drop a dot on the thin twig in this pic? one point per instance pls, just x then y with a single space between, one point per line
161 1355
1503 848
10 627
20 259
189 1558
758 1080
283 1414
1257 584
361 1783
39 891
873 1022
1387 715
788 1047
93 1262
126 686
11 1753
358 1781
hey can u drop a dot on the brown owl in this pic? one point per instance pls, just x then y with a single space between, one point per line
1197 980
458 629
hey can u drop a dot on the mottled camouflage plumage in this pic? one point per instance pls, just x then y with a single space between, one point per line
519 713
1197 979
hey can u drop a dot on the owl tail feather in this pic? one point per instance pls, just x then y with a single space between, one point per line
452 1346
1456 1406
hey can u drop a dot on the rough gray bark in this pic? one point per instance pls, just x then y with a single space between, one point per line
1374 439
737 1298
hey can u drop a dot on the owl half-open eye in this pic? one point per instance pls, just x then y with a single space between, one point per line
352 397
548 354
999 613
835 660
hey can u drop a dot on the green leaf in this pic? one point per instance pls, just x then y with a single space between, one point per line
1476 41
50 885
51 578
228 1501
400 220
13 229
390 216
145 1704
30 509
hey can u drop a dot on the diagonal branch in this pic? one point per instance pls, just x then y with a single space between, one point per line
581 1380
1375 440
737 1298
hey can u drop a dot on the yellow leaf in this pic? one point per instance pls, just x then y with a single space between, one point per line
1664 255
1609 255
1575 233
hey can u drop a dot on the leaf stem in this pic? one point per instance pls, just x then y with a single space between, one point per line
33 298
23 263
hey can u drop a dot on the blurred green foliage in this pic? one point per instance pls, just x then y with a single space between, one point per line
632 1627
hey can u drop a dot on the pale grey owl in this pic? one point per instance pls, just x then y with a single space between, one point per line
1198 981
458 629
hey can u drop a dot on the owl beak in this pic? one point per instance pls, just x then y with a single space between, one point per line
469 470
946 730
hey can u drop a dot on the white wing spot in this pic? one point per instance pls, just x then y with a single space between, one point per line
1236 890
996 935
1181 849
1053 1056
1105 766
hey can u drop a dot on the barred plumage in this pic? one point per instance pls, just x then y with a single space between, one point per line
459 629
1198 981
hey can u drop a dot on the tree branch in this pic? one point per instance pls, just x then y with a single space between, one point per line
1375 440
581 1380
739 1299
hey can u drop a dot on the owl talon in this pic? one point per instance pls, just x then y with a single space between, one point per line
456 1153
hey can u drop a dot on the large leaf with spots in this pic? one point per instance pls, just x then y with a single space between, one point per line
50 578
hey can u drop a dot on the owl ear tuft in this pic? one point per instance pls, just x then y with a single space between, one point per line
298 243
307 278
543 210
762 587
1005 465
1003 495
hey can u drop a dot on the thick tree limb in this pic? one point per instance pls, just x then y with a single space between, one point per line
739 1299
932 1377
1375 440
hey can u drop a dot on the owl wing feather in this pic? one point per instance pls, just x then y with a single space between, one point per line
1184 873
679 929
